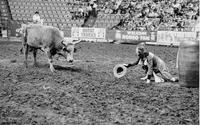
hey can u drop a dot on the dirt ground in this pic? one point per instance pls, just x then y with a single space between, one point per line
86 93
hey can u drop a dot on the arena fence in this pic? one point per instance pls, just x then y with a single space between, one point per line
131 37
123 36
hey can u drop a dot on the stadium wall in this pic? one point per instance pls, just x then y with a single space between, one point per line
127 37
131 37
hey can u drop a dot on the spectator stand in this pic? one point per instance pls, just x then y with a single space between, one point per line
127 15
4 19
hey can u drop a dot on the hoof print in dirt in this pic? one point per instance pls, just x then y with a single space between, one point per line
13 61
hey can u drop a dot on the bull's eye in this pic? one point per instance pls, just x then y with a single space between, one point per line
64 49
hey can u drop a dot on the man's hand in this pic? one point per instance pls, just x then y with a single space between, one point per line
127 65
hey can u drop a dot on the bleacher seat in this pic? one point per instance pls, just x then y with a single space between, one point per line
57 11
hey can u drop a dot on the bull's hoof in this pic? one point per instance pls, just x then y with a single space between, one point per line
52 69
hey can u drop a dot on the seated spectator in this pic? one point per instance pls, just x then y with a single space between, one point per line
36 17
171 14
91 16
80 14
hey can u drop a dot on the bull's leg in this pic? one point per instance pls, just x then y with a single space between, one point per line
34 57
24 43
50 58
26 54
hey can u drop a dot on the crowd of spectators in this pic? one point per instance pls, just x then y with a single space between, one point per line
87 12
154 14
85 9
148 14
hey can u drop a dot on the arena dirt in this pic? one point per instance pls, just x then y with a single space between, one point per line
86 93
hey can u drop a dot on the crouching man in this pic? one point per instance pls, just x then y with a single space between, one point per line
152 65
156 65
140 49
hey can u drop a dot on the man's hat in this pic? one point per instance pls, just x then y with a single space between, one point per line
119 70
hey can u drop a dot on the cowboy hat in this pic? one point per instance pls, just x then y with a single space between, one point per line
119 70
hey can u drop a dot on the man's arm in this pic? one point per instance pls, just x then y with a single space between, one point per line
134 63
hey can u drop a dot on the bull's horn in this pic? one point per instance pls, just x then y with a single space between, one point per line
76 41
119 70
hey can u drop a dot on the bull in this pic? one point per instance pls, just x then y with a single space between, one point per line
48 39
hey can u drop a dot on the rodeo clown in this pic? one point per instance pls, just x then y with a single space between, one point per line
141 52
153 65
121 69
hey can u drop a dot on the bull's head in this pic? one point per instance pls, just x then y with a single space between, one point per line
69 49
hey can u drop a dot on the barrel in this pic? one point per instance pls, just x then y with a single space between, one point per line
188 63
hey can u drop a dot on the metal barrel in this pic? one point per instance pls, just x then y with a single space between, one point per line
188 63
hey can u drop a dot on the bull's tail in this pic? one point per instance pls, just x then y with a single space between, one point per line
24 39
25 36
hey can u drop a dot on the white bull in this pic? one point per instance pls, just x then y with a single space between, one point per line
49 39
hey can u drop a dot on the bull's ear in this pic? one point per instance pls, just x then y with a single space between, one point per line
65 42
